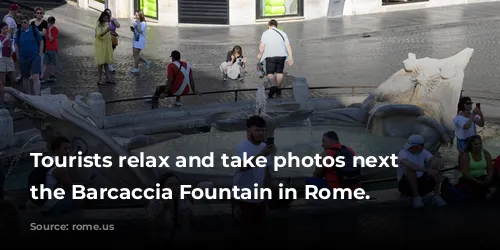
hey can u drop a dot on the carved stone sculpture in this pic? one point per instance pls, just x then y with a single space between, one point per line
56 115
431 86
421 98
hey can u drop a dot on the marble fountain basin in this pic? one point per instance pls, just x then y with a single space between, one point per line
276 115
299 140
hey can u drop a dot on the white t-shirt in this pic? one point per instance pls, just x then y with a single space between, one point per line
462 133
11 23
273 43
140 38
247 179
420 159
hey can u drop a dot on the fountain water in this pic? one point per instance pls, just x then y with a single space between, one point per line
227 132
261 101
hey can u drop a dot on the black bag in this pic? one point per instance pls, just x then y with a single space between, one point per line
37 178
349 174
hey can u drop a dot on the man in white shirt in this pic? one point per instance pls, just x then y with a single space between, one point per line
275 50
10 19
419 172
251 213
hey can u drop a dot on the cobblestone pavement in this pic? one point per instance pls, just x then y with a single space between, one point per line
322 53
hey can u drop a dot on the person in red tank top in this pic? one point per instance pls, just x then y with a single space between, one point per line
331 144
177 84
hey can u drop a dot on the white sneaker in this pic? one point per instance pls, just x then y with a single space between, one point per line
438 200
148 64
417 202
134 70
111 68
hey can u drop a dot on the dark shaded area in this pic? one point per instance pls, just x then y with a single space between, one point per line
377 225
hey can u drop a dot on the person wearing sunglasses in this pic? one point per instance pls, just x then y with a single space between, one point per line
466 120
42 27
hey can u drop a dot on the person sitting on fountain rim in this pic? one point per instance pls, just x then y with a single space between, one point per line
331 145
419 172
180 81
466 121
478 175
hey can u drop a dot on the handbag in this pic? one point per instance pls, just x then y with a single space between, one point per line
260 70
114 39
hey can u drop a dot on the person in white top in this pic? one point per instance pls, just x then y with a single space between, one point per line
251 213
466 121
10 19
275 50
419 172
139 29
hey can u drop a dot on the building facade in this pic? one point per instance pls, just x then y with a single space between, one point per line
245 12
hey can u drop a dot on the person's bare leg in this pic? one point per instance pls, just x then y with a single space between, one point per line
272 79
279 79
27 85
438 166
36 84
411 176
136 58
99 74
108 73
12 79
44 68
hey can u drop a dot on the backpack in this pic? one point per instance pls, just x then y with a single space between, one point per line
349 174
33 28
37 178
452 194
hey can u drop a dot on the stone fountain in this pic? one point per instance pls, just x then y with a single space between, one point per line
421 98
276 115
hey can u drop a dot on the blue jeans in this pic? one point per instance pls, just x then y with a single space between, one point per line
2 183
461 145
67 204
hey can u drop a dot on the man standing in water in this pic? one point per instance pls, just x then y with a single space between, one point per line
275 50
251 213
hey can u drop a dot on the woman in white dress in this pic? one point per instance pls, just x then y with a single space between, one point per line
139 29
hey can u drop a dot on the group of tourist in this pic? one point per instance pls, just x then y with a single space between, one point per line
106 41
419 172
274 51
27 49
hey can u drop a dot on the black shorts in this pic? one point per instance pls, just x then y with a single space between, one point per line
425 184
275 65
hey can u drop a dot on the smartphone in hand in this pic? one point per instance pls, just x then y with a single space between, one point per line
270 141
132 28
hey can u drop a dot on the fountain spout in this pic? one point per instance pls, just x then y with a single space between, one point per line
261 101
